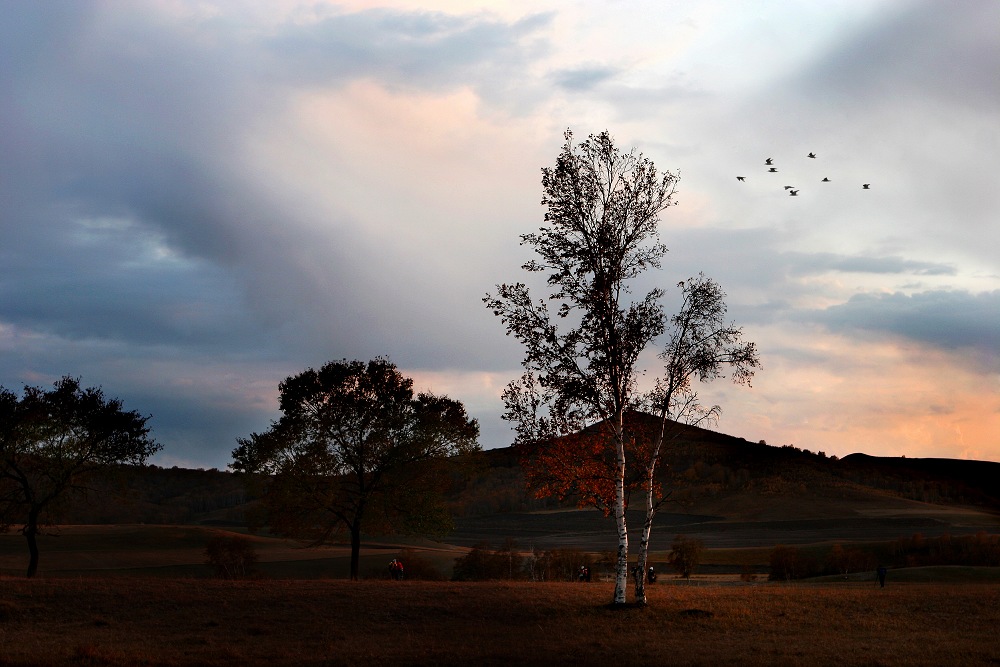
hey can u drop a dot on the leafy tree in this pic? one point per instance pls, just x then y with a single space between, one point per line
685 555
355 448
574 407
51 442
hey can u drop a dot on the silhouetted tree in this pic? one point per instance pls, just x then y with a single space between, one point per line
51 442
583 342
355 448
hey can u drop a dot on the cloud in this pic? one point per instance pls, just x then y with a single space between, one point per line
820 262
946 319
922 50
424 49
583 78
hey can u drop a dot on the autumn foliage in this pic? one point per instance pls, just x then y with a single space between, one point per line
580 466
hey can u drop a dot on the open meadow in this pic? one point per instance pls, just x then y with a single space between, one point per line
176 621
142 594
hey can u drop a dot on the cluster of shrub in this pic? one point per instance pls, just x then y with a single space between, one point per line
981 549
916 551
233 557
508 562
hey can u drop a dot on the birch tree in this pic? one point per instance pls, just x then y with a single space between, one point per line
584 339
701 347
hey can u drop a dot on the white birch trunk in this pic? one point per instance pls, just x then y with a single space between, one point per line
621 568
643 559
647 525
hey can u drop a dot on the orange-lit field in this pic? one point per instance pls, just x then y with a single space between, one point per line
157 621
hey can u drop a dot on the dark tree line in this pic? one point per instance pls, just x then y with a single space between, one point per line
790 562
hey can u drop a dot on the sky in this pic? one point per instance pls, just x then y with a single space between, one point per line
199 199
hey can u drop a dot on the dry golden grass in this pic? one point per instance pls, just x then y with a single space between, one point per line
145 621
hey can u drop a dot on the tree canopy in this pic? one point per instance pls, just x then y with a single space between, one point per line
51 441
353 449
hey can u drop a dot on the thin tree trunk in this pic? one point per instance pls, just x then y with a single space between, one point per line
647 525
355 549
643 560
31 534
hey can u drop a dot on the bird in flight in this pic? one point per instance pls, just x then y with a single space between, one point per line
865 186
825 180
740 178
811 155
773 170
789 187
769 161
793 193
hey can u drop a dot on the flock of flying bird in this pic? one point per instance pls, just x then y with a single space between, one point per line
792 190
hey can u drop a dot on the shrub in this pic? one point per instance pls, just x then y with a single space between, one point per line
558 565
482 563
685 554
789 563
232 557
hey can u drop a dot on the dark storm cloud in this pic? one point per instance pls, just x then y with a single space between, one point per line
132 230
949 320
120 114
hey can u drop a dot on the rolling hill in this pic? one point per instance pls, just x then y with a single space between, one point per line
724 490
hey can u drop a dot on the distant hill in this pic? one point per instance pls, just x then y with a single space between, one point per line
706 473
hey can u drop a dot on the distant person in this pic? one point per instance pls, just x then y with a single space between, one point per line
651 575
880 573
396 569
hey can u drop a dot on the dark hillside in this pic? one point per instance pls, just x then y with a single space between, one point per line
929 480
154 495
706 473
711 473
732 493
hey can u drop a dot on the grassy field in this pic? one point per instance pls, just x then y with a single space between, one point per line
159 621
172 551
